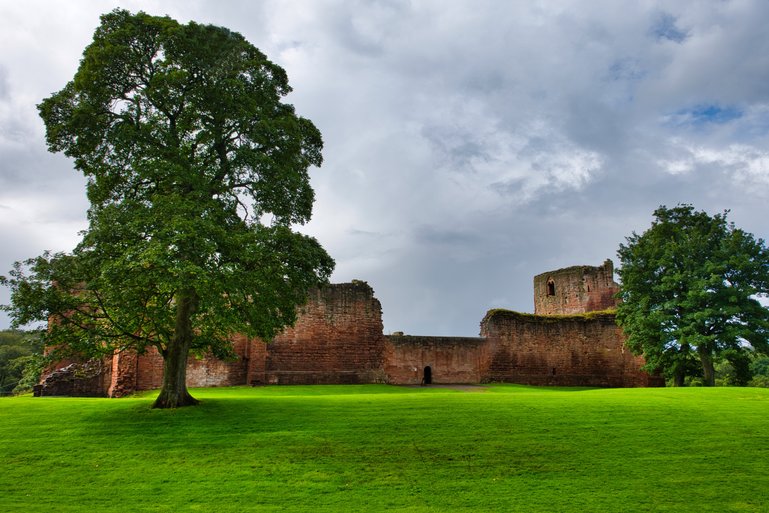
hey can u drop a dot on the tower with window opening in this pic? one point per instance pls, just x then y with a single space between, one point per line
575 290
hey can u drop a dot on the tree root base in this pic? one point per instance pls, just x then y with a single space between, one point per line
166 400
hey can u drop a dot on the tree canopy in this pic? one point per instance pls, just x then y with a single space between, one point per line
690 290
196 173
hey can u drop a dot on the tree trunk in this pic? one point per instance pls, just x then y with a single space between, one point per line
679 366
679 379
708 369
174 393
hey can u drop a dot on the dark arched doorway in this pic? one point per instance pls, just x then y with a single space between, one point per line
428 375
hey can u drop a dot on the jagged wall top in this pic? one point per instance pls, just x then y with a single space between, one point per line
575 290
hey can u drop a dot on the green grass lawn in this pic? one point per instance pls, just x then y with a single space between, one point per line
378 448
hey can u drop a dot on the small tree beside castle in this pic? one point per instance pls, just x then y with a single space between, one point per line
691 286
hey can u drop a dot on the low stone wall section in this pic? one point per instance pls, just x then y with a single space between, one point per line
443 360
79 379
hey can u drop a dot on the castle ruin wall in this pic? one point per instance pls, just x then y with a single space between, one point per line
338 338
579 350
409 359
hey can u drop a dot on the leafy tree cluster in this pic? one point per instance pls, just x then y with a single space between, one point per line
759 369
690 291
747 369
197 172
21 360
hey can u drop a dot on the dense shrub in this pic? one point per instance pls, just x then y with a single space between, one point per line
21 360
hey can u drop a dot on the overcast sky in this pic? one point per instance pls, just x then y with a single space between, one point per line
468 145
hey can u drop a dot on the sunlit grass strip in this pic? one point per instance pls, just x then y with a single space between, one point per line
379 448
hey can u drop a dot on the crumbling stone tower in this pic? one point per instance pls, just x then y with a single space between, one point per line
575 290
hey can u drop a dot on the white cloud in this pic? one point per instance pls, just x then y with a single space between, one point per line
746 164
468 145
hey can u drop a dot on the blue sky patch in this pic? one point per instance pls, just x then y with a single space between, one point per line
664 27
707 114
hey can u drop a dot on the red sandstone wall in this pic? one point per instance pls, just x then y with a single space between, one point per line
210 372
255 360
123 374
149 372
577 290
567 351
451 359
338 338
205 372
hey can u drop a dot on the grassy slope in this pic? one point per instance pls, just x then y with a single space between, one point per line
378 448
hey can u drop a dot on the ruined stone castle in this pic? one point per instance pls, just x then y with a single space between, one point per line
572 339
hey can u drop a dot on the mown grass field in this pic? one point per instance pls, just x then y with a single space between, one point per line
379 448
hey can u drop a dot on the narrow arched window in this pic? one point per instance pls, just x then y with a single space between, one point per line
550 287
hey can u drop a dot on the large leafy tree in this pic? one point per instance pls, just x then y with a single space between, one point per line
690 290
196 172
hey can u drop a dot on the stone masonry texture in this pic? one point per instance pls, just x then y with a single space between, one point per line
338 338
575 290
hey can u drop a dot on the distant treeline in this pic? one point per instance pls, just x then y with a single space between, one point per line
21 360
